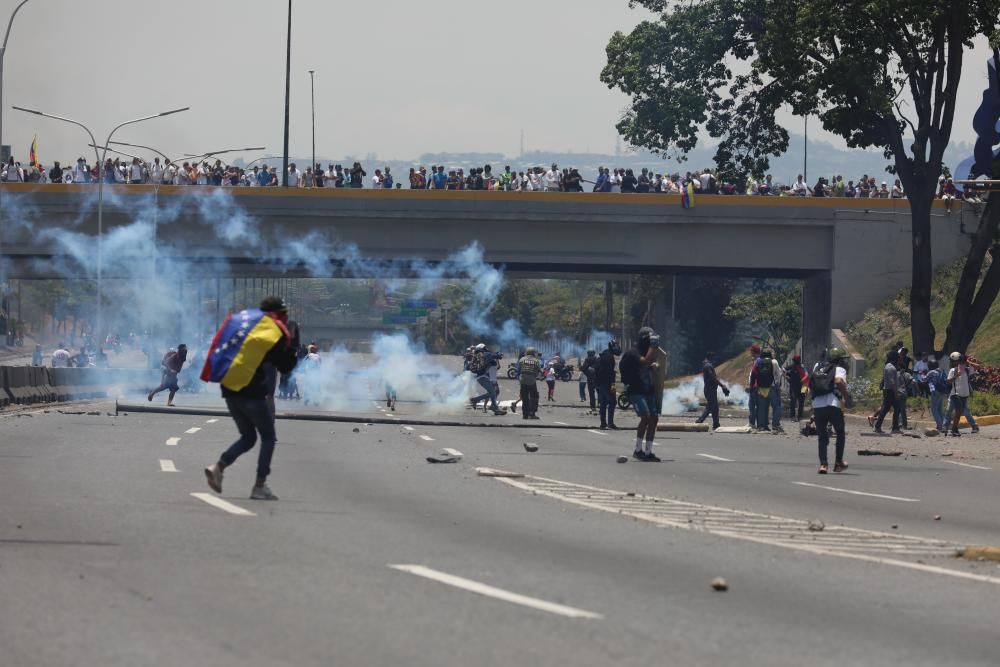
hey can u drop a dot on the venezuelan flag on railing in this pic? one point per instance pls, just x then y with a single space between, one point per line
33 152
687 195
240 346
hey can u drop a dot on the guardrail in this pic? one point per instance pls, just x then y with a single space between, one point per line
26 385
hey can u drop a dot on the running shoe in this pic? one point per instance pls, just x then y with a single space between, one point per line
651 458
839 467
639 455
822 469
262 492
213 475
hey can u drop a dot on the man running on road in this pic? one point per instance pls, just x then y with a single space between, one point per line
172 363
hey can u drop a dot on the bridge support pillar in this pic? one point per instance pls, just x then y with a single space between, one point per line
817 304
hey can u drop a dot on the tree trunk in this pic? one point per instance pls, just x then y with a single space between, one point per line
921 326
971 307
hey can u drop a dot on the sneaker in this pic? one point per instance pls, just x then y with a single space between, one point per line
534 417
896 431
149 397
955 434
612 427
262 492
871 421
513 408
879 431
603 427
639 455
170 405
213 475
822 469
839 467
651 458
975 429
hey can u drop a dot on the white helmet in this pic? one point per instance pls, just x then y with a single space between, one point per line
956 356
481 346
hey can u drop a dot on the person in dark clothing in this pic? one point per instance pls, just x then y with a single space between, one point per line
797 376
637 368
712 385
56 174
604 378
172 363
629 181
357 175
890 393
589 370
247 400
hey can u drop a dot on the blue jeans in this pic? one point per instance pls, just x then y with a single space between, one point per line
752 406
775 407
645 405
252 416
937 408
491 393
961 404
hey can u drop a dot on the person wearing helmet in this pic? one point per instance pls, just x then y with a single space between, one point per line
637 368
959 378
830 394
482 361
529 369
604 378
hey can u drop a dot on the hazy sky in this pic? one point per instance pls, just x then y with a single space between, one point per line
395 78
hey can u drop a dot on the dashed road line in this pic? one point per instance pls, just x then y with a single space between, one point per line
715 458
967 465
166 465
408 428
857 493
193 430
173 442
212 421
496 593
223 505
595 432
561 423
426 437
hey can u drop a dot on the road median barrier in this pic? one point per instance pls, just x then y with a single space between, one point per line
980 553
985 420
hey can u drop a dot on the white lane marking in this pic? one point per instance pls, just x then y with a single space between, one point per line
211 421
715 458
166 465
595 432
172 442
224 505
967 465
561 423
818 550
192 430
426 437
858 493
496 593
408 428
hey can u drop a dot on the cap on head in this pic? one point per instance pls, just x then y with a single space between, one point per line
182 346
530 351
797 357
755 348
836 353
955 356
481 346
273 304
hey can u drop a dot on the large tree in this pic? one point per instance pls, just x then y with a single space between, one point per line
879 73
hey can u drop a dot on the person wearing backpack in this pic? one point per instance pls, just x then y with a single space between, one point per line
482 361
960 381
638 367
829 394
890 392
764 380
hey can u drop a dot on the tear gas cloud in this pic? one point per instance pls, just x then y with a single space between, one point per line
145 262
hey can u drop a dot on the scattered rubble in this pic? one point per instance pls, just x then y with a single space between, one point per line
530 447
622 459
816 526
720 584
447 455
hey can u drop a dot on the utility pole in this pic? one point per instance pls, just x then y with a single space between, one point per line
288 92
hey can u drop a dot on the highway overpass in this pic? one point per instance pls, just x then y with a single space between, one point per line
850 253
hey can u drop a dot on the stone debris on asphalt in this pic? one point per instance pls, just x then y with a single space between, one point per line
622 459
720 584
447 455
816 526
530 447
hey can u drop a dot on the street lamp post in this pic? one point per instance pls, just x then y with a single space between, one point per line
288 92
100 191
3 51
312 92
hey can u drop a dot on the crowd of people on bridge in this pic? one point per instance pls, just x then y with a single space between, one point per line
438 177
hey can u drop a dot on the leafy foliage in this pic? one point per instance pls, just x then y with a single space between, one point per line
775 315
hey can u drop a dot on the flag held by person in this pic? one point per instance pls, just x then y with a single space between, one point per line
240 346
687 195
33 152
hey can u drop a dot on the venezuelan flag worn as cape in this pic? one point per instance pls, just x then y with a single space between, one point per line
240 346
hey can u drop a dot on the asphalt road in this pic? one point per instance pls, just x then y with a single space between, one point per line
107 558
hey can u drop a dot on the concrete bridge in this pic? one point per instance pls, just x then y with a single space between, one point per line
849 253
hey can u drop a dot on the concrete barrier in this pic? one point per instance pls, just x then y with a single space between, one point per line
24 385
5 397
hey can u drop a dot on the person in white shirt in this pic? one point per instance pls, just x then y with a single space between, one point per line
535 179
552 178
60 358
828 406
202 177
294 176
897 190
706 181
376 179
136 172
81 172
800 189
961 388
156 172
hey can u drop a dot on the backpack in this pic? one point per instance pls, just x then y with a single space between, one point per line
822 380
629 368
478 364
765 372
939 381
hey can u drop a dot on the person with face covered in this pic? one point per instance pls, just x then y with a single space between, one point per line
639 369
172 363
604 378
248 350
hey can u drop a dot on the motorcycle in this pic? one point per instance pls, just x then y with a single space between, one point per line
564 372
512 371
624 400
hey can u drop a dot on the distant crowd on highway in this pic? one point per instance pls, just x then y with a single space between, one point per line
439 177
